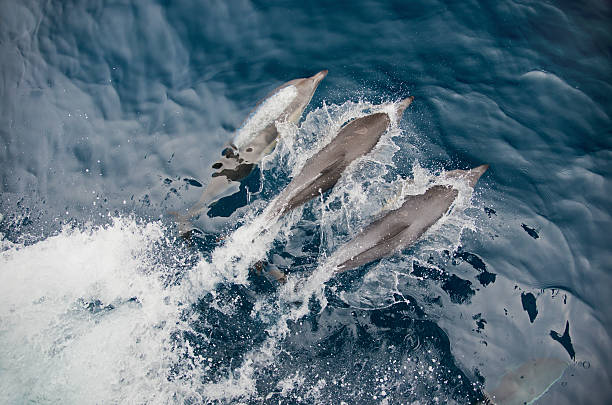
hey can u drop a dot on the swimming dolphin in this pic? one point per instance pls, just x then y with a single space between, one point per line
323 170
254 140
401 227
527 383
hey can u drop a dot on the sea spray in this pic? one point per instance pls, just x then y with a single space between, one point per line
83 316
107 295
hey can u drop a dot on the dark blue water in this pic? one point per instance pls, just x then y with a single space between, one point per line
113 112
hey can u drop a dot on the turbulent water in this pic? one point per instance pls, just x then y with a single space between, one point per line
113 113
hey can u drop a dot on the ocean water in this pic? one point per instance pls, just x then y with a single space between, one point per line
113 113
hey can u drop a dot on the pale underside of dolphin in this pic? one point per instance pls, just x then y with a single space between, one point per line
253 141
323 170
400 228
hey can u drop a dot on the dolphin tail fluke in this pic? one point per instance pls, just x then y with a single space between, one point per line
402 107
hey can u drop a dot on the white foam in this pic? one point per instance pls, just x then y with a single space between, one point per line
83 318
234 259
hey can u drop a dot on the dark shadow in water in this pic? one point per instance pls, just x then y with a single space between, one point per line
192 182
565 340
480 323
226 206
485 278
459 290
529 304
530 231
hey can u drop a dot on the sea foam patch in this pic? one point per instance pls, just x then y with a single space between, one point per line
84 317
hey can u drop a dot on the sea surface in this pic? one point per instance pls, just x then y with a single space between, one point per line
112 113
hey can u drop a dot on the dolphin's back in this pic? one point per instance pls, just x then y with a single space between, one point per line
323 170
399 228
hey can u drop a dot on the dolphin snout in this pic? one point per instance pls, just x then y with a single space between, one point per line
482 168
319 76
402 105
475 173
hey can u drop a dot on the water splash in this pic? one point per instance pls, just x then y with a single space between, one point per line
128 298
361 194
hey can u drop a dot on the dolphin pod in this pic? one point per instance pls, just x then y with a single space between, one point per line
323 170
394 231
253 141
401 227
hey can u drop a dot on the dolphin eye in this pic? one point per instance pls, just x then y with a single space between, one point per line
217 165
249 149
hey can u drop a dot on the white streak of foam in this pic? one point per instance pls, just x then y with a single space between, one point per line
234 260
270 110
70 329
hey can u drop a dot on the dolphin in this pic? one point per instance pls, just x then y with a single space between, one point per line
527 383
401 227
323 170
255 139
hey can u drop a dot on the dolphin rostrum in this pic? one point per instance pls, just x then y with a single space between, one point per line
253 141
401 227
323 170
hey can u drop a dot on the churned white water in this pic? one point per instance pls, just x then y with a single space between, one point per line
85 317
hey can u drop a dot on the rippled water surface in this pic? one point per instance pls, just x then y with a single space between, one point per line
112 114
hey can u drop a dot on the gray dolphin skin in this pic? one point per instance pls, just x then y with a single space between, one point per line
323 170
401 227
253 141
